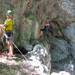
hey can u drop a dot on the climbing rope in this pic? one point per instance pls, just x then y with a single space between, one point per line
19 50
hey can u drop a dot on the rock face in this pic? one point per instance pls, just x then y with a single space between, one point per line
60 14
62 38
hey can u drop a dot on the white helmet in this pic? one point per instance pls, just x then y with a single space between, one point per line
9 12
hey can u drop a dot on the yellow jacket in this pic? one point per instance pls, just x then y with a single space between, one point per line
8 24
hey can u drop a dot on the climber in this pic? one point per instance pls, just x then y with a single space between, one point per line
46 27
8 26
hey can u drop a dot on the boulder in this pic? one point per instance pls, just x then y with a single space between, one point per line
40 58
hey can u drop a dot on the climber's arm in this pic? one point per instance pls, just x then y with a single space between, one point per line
2 26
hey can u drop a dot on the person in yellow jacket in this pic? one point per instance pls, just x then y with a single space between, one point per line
8 27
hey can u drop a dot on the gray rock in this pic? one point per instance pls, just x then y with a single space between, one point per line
68 6
41 58
60 50
61 73
28 47
69 32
